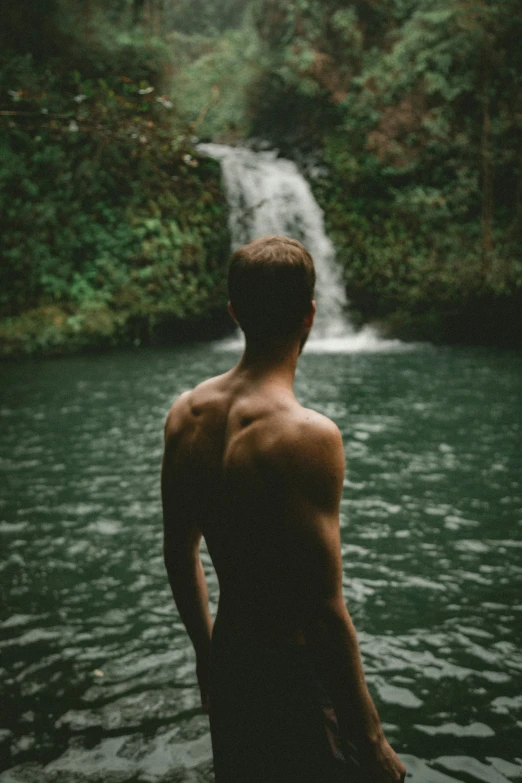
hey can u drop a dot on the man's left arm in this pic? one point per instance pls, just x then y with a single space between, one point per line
181 538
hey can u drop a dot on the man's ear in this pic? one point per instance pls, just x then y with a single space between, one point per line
232 313
309 317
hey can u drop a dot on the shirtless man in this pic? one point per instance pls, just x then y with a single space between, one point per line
260 477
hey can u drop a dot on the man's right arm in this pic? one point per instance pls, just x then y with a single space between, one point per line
315 480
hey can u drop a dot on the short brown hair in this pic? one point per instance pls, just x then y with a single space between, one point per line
271 285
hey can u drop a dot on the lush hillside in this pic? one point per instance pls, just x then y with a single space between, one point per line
407 115
113 229
412 109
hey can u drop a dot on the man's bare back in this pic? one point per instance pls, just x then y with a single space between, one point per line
261 477
247 458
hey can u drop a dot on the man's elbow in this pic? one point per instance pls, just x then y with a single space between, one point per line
329 613
178 560
172 556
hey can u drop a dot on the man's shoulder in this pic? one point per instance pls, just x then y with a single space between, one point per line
306 439
306 457
308 425
191 403
178 412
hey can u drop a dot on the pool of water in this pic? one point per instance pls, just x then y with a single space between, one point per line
97 674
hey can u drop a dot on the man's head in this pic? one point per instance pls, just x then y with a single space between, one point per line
271 288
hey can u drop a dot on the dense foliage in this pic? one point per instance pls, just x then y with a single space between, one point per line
406 114
113 230
415 110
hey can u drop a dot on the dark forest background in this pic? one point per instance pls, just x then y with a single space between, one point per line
406 116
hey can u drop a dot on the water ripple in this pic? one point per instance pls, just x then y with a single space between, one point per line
98 676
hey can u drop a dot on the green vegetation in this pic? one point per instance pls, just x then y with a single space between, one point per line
413 108
407 115
113 230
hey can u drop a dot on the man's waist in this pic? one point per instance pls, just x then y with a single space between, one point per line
257 620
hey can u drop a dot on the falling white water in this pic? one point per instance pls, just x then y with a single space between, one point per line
268 195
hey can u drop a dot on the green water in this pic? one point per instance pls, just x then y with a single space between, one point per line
97 675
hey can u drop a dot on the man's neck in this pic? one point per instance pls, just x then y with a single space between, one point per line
275 362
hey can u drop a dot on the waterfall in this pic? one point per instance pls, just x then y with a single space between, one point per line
268 195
